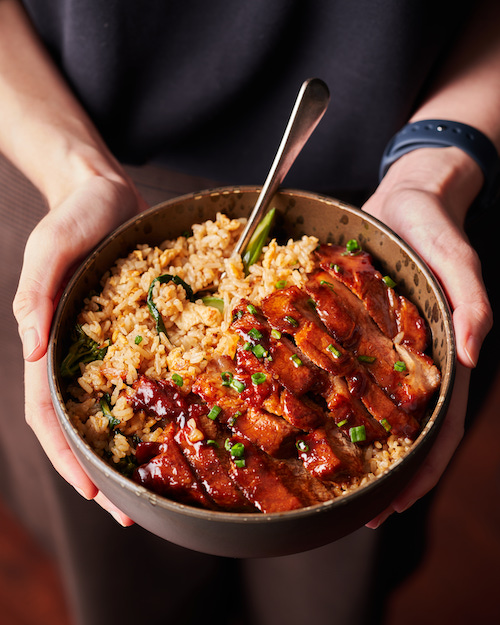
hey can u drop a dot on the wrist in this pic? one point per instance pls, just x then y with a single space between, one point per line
449 174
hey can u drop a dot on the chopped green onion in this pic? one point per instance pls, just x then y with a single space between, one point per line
237 450
328 284
153 311
386 424
238 385
255 334
336 268
333 350
232 420
177 379
293 322
238 315
227 378
211 441
259 377
357 434
214 412
312 303
240 463
367 359
302 446
275 334
259 351
296 360
251 309
352 246
258 240
227 444
389 281
138 339
247 346
214 302
342 423
281 284
399 365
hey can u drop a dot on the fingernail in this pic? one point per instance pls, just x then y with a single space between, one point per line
31 342
81 493
472 351
402 507
117 517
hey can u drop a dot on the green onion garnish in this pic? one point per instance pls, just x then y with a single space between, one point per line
259 377
342 423
227 378
275 334
293 322
214 412
251 309
259 351
177 379
386 424
302 446
255 334
399 365
352 246
138 339
367 359
296 360
281 284
389 281
328 284
238 385
333 350
357 434
240 463
336 268
211 441
237 450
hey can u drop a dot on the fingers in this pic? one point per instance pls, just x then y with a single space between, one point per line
41 417
423 222
442 451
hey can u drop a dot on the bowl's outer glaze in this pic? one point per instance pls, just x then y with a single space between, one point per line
259 535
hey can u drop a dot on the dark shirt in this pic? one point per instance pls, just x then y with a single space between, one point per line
207 87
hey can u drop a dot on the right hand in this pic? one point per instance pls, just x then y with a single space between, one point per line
63 237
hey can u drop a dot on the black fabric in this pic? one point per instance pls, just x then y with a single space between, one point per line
207 87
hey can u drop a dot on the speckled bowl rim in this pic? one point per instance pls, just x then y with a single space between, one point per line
431 428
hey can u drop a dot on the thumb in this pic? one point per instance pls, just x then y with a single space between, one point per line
33 305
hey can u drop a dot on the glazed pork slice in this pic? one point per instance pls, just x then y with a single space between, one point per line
410 378
328 454
273 485
347 411
168 473
289 308
393 313
210 463
238 410
277 353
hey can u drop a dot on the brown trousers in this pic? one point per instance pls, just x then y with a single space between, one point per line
128 576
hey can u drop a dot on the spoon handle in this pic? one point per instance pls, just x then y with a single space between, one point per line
309 108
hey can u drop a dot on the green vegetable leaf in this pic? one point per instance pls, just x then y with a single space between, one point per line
82 350
153 311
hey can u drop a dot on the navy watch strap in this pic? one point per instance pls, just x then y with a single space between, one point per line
443 133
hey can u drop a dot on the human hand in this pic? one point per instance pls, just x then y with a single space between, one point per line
74 225
424 198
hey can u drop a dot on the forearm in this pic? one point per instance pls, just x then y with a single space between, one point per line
467 89
44 130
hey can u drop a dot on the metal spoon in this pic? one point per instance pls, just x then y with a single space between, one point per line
310 106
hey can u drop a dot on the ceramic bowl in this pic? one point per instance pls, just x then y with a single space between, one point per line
259 535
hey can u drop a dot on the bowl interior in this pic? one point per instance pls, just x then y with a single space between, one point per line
298 213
